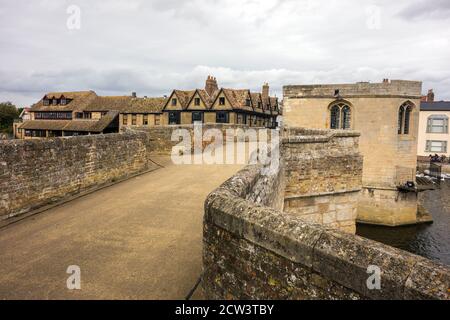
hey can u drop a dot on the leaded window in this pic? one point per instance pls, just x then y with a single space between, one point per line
404 118
341 116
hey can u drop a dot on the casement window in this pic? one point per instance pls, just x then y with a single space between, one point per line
174 117
53 115
133 119
340 116
79 115
174 102
222 117
404 118
197 101
87 115
248 103
437 124
145 119
436 146
197 116
46 102
63 101
157 119
259 105
55 102
222 101
125 119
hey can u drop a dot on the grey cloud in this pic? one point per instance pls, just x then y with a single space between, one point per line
432 9
154 46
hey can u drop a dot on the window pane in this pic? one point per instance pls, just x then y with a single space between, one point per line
407 118
346 116
335 117
400 119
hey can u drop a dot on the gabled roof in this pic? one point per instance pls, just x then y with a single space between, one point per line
435 106
256 97
237 97
203 94
184 97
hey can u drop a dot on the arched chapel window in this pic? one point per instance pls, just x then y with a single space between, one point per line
340 116
404 118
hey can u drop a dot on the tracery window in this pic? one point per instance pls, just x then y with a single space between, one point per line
404 118
340 116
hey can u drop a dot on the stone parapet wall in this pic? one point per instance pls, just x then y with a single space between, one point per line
34 173
160 137
253 251
323 172
407 88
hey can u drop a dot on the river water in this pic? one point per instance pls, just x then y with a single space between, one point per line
428 240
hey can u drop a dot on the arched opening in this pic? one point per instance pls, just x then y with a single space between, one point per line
340 116
404 118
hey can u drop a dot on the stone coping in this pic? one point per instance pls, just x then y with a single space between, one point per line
343 258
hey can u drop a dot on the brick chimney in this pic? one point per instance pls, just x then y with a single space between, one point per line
265 91
430 96
211 85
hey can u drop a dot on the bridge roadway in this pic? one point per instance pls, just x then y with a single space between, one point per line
138 239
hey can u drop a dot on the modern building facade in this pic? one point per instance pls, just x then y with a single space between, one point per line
434 136
387 116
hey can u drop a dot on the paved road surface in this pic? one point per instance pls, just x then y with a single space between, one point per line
139 239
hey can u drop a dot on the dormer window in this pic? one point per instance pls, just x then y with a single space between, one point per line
222 101
248 102
259 105
197 101
46 102
63 101
174 102
55 101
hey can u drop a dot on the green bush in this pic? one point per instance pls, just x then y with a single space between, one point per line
8 112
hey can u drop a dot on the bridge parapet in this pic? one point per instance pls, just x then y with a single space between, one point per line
254 250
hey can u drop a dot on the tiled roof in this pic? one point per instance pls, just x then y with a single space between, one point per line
435 106
80 100
90 101
237 97
184 97
71 125
256 97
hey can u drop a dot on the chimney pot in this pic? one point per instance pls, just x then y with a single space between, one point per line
430 96
211 85
265 90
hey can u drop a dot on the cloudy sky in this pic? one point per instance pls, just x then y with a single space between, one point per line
153 46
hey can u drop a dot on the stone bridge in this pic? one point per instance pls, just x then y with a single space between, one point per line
117 207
